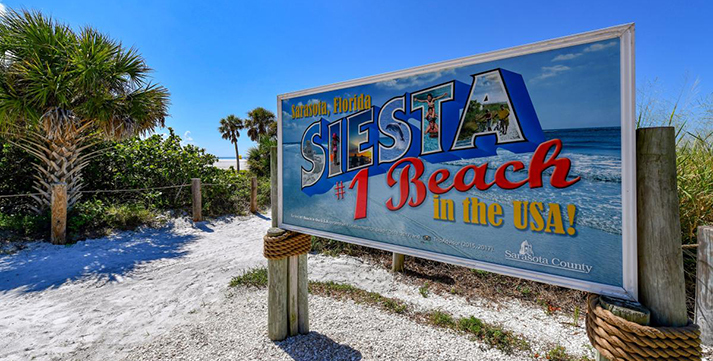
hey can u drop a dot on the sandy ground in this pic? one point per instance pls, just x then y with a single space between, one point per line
235 330
227 163
161 294
100 296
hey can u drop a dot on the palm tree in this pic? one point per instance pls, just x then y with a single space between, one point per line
259 156
229 129
260 122
61 91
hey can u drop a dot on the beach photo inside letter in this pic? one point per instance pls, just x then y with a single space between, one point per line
512 165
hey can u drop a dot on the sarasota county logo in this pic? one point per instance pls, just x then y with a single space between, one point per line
527 255
526 249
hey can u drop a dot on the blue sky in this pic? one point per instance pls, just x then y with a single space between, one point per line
226 57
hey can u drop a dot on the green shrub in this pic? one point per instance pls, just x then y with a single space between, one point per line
157 161
17 176
259 156
162 161
95 215
30 225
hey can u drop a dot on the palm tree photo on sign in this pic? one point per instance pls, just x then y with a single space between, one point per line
62 92
229 129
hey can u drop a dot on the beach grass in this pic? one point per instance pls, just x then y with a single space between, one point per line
254 277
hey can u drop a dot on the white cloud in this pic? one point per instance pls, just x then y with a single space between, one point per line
413 81
599 46
317 101
2 9
187 139
563 57
286 116
551 71
589 49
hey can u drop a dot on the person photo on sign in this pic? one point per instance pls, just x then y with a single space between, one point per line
335 148
489 120
503 119
430 101
432 128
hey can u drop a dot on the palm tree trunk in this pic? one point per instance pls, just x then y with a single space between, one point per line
60 157
237 158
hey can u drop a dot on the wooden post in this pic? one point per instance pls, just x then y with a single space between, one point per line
293 282
197 205
660 259
302 294
277 313
253 194
59 213
397 262
704 285
277 322
287 303
273 185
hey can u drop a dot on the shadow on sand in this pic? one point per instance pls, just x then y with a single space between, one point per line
42 265
315 346
262 216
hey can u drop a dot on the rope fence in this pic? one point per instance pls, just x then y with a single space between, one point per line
121 190
132 190
59 198
19 195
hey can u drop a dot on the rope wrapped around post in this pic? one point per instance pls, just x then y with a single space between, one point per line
287 244
618 339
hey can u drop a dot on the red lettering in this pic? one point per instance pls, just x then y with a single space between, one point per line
361 180
502 181
404 184
437 178
538 164
478 178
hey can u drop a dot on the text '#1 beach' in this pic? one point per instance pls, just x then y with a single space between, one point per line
519 162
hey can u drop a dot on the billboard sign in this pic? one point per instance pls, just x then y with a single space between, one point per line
519 162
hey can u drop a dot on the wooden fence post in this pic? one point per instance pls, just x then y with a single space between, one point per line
660 258
704 285
197 205
397 262
253 195
59 213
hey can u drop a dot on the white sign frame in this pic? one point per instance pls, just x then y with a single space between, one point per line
625 33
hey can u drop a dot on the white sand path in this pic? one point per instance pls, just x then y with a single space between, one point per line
161 294
107 294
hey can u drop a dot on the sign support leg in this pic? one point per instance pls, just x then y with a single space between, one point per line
287 302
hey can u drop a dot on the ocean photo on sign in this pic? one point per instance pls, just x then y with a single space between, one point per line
515 162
